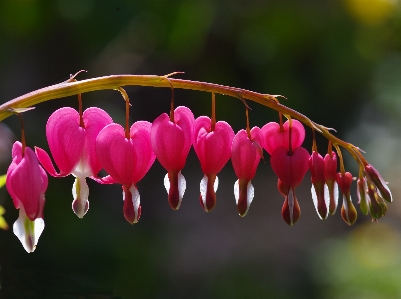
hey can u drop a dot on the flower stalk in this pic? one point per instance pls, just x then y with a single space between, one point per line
69 88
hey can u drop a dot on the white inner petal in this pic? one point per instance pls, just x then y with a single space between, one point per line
82 195
236 191
203 188
166 182
336 195
314 197
136 201
182 184
28 234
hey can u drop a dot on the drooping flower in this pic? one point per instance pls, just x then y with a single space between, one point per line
274 136
27 184
320 192
171 142
290 167
73 149
348 211
330 171
245 155
126 160
213 148
376 179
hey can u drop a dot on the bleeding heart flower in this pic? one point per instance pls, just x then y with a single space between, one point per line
320 191
245 156
27 184
330 171
213 148
348 211
171 142
274 137
290 167
73 149
126 160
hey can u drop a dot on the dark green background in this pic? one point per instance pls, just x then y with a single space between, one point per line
338 62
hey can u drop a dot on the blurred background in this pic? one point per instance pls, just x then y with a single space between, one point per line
338 62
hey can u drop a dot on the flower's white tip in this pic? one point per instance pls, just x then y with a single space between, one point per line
80 191
203 188
27 231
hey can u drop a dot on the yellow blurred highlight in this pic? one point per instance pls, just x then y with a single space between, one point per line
376 245
3 223
371 12
3 180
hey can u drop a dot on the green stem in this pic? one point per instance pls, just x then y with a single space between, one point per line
69 88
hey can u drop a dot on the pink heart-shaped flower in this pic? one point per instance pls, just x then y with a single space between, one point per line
273 137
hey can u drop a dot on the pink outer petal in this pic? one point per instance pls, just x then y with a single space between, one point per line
126 160
274 138
213 148
245 155
17 157
66 138
27 183
290 169
316 167
171 142
95 119
114 152
140 139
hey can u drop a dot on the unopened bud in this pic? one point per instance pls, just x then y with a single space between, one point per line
363 200
376 179
378 207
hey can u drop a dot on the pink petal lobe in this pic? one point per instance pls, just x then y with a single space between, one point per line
213 148
66 138
95 119
290 169
274 138
142 149
171 142
114 152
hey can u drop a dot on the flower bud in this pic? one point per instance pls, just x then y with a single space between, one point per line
378 207
348 211
363 200
376 179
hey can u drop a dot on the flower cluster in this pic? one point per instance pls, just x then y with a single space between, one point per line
83 143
